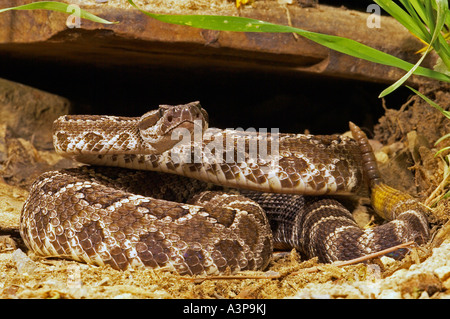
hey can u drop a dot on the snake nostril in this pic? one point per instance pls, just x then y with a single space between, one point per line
170 118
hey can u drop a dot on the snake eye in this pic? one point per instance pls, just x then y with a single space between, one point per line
149 119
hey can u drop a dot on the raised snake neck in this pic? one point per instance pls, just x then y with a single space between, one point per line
302 164
220 230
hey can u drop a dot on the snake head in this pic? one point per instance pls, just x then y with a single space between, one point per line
164 127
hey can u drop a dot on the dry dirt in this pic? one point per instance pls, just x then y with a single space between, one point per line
408 135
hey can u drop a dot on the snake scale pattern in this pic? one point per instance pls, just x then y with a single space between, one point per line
134 214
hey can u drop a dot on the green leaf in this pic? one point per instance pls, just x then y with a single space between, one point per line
441 67
432 103
442 138
404 18
402 80
440 20
60 7
442 150
447 195
441 46
417 9
430 14
421 19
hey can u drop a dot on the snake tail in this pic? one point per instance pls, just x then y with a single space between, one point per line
388 202
369 161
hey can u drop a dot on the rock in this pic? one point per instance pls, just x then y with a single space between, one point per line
3 147
416 285
11 202
29 113
443 272
23 263
7 243
26 143
156 43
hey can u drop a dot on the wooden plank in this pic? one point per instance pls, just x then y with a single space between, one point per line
138 41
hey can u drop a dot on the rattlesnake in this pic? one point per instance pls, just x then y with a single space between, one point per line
129 215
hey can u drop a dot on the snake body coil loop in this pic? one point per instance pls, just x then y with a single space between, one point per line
127 215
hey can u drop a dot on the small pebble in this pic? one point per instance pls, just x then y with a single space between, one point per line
23 263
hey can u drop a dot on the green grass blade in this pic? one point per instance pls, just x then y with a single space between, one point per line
60 7
436 28
432 103
442 150
417 12
441 46
442 138
343 45
404 18
403 79
447 195
417 9
430 14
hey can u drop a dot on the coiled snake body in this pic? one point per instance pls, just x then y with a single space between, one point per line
129 215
